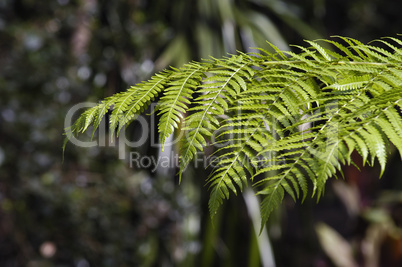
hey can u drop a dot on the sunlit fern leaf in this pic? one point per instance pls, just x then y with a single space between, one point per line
351 83
225 84
102 109
283 121
235 159
135 100
272 198
91 117
177 96
324 52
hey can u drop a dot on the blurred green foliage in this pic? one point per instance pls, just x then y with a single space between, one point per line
93 209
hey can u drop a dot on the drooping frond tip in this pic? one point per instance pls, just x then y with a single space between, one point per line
281 120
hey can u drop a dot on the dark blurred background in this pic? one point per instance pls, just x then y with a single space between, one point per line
94 210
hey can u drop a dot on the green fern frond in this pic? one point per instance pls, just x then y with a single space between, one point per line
135 100
282 121
217 91
177 96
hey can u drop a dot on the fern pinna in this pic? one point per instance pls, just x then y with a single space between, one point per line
279 120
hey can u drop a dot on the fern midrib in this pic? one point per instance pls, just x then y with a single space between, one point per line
89 116
121 104
103 111
207 109
174 104
143 96
333 62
